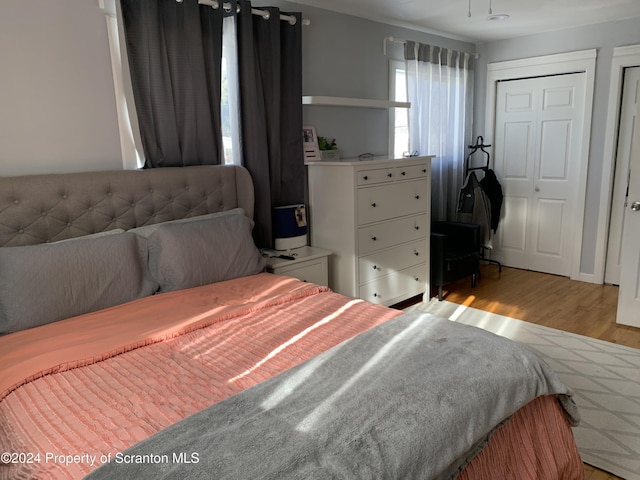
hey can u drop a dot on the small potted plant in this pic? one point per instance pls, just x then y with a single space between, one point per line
328 148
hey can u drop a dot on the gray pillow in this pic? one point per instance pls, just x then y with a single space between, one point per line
186 255
115 231
45 283
147 230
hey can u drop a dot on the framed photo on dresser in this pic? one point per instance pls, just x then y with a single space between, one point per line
310 143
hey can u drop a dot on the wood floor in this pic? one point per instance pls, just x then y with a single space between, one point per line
549 300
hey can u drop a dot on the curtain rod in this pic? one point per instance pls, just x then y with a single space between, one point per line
400 40
263 13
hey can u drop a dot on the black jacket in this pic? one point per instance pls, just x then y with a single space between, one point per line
493 190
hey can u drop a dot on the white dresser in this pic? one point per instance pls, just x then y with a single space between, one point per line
374 216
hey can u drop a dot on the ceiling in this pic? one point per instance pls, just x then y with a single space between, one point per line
450 17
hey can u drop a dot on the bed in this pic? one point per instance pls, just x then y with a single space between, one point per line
140 337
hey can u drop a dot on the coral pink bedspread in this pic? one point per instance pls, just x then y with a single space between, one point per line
76 393
68 390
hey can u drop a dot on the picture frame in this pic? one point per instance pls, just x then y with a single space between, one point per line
310 144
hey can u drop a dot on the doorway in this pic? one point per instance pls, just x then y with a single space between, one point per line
624 58
582 63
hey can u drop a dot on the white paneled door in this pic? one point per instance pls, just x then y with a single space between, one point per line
629 118
629 294
537 160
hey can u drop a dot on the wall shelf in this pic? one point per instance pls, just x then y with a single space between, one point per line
352 102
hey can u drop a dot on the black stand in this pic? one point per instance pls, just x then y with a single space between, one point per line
467 168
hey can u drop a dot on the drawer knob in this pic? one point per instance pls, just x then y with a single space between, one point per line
376 267
366 177
417 197
403 173
416 253
424 170
373 204
417 279
374 238
417 227
375 295
389 175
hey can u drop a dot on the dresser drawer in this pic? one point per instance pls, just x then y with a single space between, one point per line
388 234
314 271
389 289
378 175
391 260
412 171
384 202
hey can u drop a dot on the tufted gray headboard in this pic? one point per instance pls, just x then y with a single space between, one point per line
45 208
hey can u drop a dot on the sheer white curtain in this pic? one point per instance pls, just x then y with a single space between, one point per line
230 99
440 89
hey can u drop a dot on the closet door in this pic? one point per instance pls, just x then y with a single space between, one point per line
629 295
628 122
537 148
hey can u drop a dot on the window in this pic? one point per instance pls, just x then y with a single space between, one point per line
230 95
439 86
131 158
398 117
130 145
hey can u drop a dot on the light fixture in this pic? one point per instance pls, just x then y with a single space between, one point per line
497 16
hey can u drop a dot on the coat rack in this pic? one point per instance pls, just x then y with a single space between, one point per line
474 148
480 145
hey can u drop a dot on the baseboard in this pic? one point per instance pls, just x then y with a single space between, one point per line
586 277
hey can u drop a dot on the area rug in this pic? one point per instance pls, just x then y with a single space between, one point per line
604 376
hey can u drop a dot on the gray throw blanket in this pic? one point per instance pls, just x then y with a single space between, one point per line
415 397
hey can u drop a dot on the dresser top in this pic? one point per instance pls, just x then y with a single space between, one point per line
371 161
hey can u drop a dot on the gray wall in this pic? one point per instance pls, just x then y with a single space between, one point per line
343 57
57 107
604 38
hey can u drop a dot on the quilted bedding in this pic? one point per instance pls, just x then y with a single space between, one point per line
77 393
408 400
69 388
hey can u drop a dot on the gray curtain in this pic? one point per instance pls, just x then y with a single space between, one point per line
270 71
174 52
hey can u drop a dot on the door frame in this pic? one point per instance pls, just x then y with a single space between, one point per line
583 61
623 57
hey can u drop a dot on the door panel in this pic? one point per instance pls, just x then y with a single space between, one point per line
548 246
517 146
519 102
628 118
513 230
516 138
558 98
554 150
629 294
537 161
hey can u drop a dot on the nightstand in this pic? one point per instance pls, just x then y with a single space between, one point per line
310 264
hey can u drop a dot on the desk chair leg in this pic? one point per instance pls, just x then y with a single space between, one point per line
440 293
473 280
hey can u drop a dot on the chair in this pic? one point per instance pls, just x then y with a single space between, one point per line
455 253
